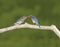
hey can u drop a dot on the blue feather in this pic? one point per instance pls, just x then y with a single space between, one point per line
36 20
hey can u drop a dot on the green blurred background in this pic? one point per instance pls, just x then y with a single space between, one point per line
47 12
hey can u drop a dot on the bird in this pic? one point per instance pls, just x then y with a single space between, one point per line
34 20
21 20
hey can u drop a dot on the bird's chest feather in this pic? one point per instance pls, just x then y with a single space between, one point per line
33 21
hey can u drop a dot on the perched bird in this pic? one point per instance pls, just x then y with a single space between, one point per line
34 20
21 20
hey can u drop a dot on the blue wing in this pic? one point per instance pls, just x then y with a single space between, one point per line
35 20
21 20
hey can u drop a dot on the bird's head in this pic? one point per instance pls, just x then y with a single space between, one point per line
30 16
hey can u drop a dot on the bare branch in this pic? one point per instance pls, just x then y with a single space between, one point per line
26 25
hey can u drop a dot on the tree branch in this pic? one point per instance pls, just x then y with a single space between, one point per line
26 25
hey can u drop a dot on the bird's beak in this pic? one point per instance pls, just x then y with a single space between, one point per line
29 16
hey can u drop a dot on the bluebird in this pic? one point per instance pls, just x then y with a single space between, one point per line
21 20
34 20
